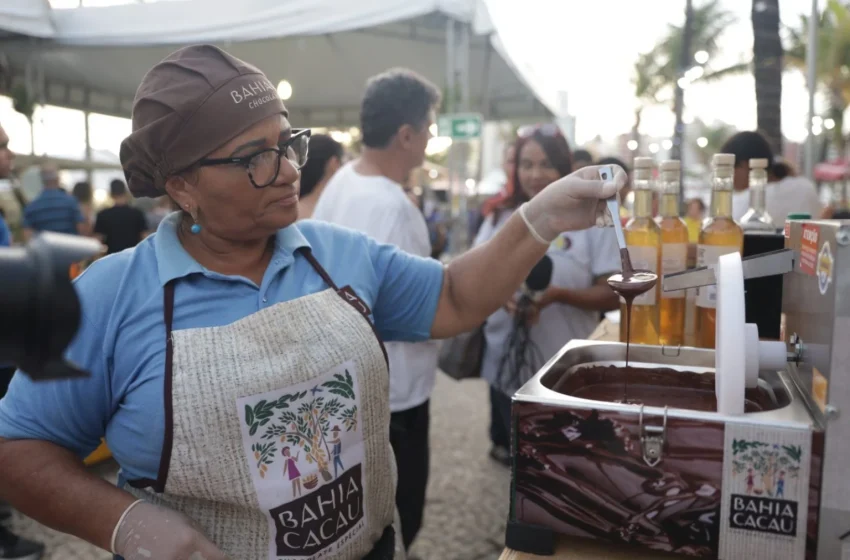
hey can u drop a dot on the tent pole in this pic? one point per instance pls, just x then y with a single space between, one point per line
811 67
484 105
485 78
450 66
89 171
464 150
464 66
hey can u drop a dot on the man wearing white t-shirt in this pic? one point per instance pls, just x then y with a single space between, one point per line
783 196
367 195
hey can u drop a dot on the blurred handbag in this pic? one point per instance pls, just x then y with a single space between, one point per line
461 356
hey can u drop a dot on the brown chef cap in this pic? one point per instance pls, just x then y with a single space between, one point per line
193 102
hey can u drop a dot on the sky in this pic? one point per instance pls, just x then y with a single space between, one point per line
588 49
585 48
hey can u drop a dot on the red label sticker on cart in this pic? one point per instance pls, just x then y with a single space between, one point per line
809 249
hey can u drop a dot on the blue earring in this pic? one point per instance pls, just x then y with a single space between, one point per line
196 227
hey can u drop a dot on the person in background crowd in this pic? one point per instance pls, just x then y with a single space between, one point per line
7 156
783 196
53 209
578 291
782 169
121 226
438 231
5 233
625 213
325 159
694 216
11 546
582 158
368 195
507 190
162 207
82 191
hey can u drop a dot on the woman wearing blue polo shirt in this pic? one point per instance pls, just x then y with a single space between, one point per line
235 352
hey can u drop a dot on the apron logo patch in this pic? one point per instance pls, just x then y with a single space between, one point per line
309 524
304 447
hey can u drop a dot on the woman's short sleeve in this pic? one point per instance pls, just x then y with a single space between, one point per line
408 292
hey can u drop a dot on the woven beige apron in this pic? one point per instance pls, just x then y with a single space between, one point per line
277 430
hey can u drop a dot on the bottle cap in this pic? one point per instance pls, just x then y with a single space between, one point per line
643 163
799 216
760 163
723 159
671 165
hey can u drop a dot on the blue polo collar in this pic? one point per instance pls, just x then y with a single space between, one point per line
174 262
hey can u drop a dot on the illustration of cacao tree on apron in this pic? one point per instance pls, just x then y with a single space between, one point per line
303 421
767 460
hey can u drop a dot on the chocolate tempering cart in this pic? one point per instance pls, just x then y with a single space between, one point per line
655 469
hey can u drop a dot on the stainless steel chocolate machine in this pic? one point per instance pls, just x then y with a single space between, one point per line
735 453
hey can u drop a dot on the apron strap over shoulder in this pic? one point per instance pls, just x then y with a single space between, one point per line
320 270
348 295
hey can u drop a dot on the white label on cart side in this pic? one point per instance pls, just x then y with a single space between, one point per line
765 501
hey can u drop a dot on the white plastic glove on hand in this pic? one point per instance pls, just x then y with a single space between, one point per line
574 202
147 532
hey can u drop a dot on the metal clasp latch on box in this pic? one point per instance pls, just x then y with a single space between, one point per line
652 439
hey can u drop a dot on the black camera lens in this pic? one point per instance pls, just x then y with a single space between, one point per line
39 309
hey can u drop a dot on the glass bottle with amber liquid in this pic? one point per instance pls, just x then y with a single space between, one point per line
719 236
643 239
674 256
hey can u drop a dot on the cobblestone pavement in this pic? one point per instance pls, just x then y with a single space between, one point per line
467 492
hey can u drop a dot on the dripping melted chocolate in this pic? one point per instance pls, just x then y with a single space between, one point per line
630 284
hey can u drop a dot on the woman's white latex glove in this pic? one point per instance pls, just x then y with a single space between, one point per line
574 202
148 532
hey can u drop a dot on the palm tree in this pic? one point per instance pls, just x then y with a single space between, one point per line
658 71
833 61
648 83
767 70
659 67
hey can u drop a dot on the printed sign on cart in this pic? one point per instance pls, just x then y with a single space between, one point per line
304 448
809 249
824 268
765 492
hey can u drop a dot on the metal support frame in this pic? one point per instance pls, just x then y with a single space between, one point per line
457 80
485 79
811 67
679 103
89 173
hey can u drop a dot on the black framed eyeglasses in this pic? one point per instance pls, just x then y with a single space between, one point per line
263 167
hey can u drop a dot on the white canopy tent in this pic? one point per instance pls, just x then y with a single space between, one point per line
96 57
26 17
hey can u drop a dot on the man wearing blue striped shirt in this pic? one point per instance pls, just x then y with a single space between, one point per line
54 209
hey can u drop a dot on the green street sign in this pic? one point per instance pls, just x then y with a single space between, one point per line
460 126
